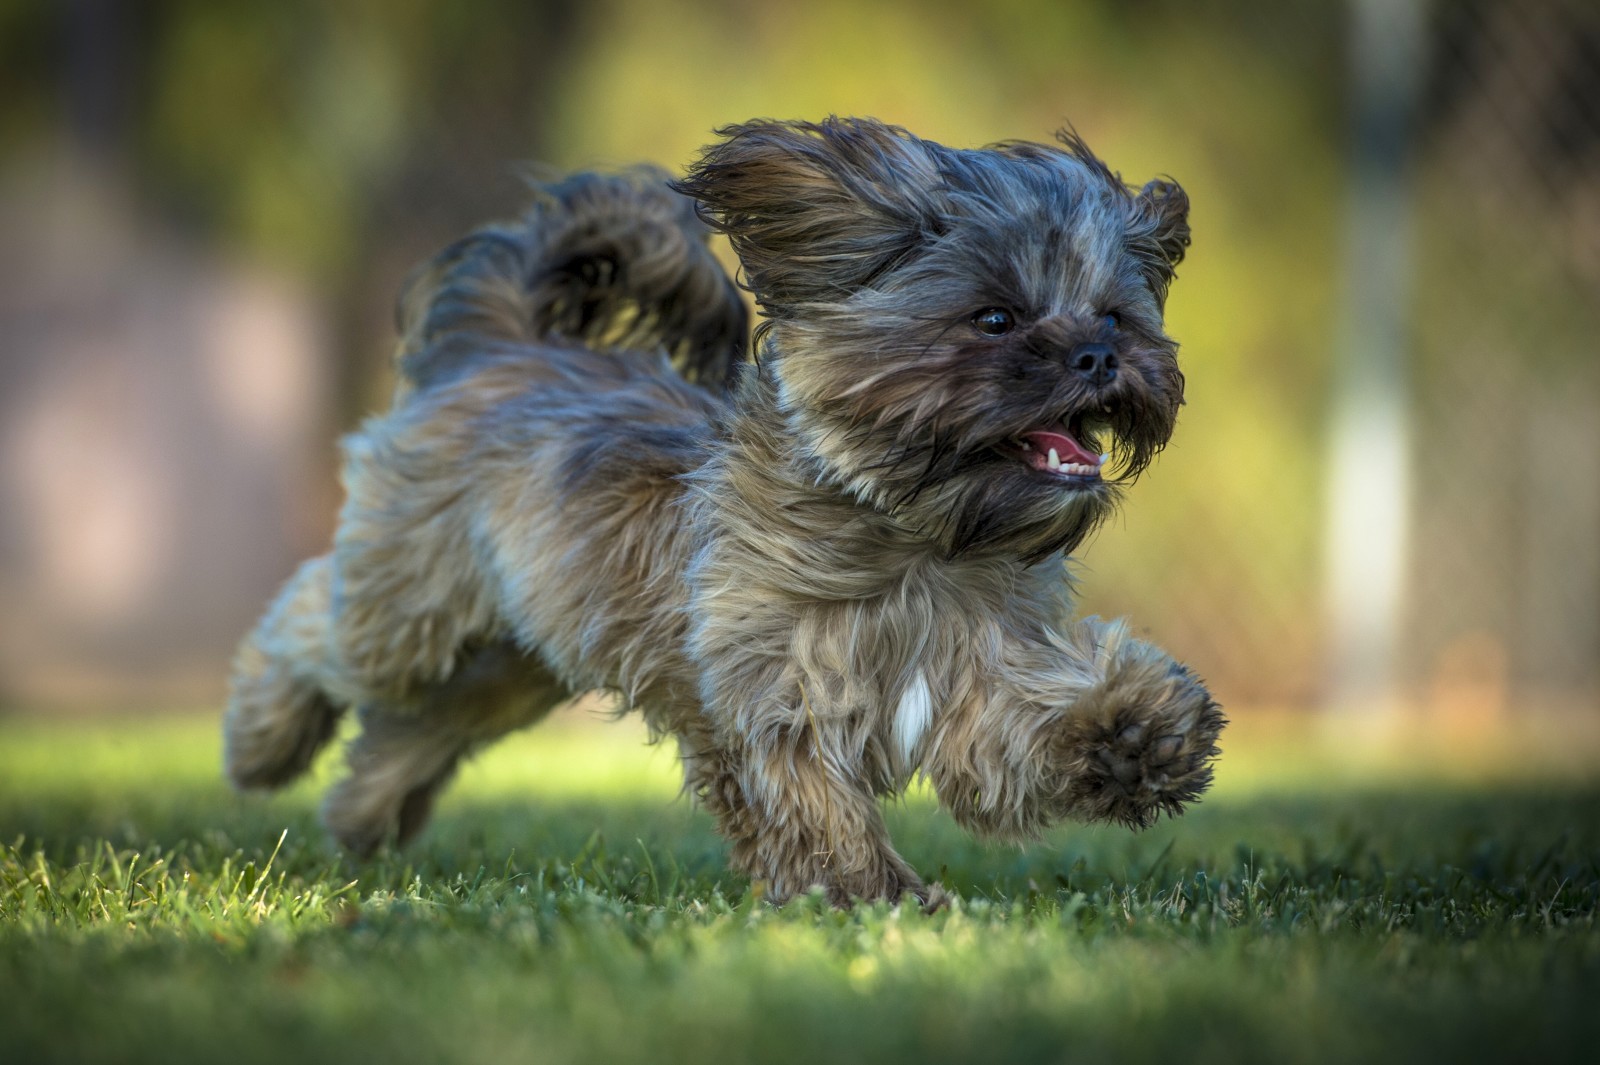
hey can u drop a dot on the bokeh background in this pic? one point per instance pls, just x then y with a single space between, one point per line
1384 497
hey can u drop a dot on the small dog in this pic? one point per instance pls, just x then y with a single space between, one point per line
823 571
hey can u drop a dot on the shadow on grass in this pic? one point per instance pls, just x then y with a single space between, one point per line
653 848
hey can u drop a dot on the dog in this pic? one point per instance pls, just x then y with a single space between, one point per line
825 564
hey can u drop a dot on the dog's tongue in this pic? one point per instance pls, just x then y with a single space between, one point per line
1042 440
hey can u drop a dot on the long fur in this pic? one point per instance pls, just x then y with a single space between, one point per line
823 573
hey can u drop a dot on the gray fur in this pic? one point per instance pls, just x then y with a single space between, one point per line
768 573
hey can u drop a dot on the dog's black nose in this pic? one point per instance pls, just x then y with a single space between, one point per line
1096 363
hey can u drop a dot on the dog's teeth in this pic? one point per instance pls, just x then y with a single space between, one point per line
1105 458
1054 460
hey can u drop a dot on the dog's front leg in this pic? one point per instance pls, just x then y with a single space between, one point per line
1090 724
798 812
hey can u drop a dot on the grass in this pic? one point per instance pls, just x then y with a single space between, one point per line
566 908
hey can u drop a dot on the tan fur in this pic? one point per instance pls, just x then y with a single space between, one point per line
551 508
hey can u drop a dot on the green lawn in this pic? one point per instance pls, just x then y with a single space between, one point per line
565 906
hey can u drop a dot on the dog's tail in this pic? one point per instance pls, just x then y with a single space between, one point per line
609 261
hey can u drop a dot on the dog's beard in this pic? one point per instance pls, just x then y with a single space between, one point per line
976 447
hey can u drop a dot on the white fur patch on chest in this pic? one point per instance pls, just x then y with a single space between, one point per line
912 719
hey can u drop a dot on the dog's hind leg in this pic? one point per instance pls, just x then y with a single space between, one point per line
279 710
409 747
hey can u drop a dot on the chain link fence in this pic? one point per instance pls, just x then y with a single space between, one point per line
1505 588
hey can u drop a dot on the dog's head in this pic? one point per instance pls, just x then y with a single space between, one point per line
957 336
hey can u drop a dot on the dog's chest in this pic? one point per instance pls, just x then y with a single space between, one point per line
935 639
913 717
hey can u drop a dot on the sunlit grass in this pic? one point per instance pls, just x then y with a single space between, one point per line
1434 899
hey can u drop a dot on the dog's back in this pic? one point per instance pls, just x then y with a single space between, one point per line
534 404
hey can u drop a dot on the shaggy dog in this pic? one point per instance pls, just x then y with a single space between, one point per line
823 571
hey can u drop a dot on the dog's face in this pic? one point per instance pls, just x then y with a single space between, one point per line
958 336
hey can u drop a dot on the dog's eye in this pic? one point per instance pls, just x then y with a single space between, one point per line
1112 320
993 321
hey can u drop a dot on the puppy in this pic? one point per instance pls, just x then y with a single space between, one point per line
823 571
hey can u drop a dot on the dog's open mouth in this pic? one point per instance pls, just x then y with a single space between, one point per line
1059 452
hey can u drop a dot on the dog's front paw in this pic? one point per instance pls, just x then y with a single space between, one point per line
1139 743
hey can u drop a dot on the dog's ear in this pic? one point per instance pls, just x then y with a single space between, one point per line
816 211
1158 232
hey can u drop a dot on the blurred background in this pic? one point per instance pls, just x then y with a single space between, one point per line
1383 501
